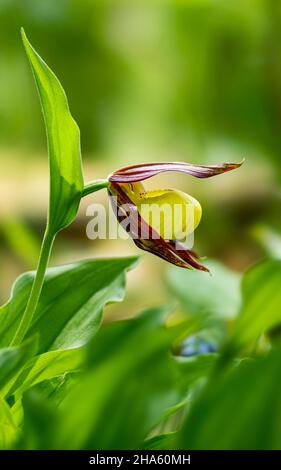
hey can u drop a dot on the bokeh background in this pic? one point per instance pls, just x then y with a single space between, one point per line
191 80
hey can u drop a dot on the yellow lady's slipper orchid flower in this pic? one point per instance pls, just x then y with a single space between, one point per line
162 218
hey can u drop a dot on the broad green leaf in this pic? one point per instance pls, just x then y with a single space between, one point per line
66 179
69 312
129 386
54 390
9 432
45 367
12 360
217 295
261 309
240 409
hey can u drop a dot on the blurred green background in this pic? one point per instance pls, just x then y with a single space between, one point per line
191 80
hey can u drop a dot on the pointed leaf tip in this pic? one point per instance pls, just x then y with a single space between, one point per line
63 135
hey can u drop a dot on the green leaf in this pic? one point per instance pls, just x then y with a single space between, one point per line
261 308
13 359
9 432
52 390
217 295
69 312
129 386
66 179
45 367
239 409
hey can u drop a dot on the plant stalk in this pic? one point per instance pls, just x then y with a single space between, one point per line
94 186
36 288
37 285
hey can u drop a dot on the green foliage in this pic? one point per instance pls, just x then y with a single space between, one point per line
128 363
261 303
70 308
239 409
39 423
8 429
68 315
45 367
66 179
14 359
119 386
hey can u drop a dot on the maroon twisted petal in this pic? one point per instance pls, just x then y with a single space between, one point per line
143 171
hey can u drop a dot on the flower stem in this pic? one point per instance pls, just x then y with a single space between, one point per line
94 186
36 288
37 285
